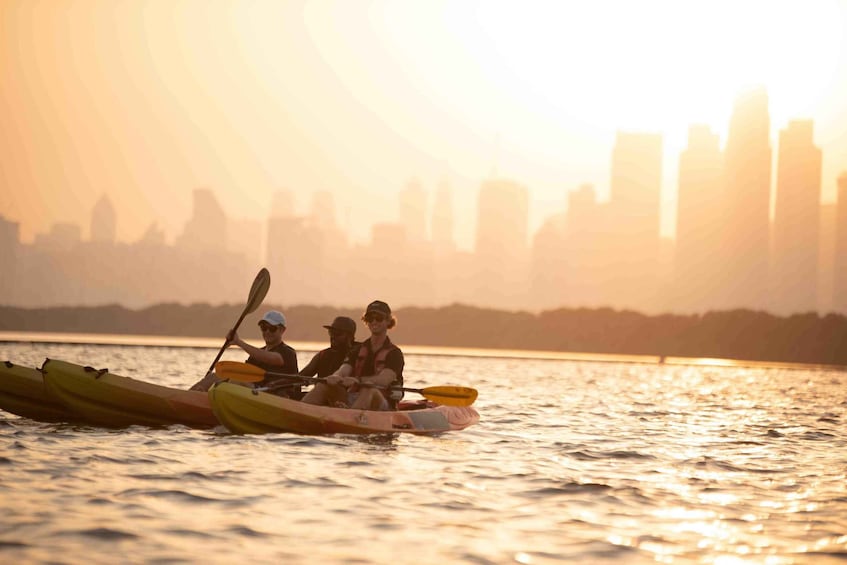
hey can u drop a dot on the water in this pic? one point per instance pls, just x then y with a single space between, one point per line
573 461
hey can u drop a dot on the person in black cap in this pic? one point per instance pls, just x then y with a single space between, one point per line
342 333
376 362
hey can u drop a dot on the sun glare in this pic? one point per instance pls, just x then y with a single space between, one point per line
652 65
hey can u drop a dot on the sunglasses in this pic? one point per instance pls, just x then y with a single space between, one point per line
268 328
374 318
336 333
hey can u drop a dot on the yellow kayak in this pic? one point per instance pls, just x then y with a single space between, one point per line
102 398
246 411
22 392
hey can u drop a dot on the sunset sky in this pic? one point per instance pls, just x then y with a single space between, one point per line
146 100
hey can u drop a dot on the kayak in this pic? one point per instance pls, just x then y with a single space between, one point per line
99 397
243 410
22 392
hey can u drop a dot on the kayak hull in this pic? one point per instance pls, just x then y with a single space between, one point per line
102 398
246 411
22 392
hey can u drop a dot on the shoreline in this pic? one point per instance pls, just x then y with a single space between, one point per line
138 340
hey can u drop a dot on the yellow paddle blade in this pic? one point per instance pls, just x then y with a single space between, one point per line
243 372
448 395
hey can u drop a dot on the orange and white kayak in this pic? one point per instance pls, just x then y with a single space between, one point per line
246 411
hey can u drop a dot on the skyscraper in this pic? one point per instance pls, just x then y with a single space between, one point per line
698 225
796 221
9 244
206 230
635 207
502 220
839 291
501 243
103 221
746 204
636 186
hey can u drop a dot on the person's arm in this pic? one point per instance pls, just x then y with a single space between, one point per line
342 376
382 379
311 369
257 353
388 375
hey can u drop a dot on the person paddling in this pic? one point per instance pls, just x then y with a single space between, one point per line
376 361
275 355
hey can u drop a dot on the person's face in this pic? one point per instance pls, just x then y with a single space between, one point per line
376 321
270 334
337 338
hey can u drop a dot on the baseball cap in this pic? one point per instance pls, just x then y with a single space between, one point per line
344 324
274 318
379 306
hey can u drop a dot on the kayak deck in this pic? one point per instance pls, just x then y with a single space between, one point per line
22 392
246 411
102 398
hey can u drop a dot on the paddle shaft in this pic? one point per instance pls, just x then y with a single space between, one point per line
257 293
244 372
306 379
421 391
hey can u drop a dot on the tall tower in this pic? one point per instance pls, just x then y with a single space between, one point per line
794 273
839 291
103 221
746 203
636 185
502 220
635 207
206 230
9 246
502 253
698 226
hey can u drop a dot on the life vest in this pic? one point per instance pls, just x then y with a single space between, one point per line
379 364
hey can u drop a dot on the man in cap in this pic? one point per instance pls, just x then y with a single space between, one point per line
342 334
275 355
370 369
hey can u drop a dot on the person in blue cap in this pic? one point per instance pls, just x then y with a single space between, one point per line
276 355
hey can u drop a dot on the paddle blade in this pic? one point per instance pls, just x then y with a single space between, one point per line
243 372
260 287
450 395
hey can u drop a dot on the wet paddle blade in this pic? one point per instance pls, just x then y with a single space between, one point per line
242 372
258 291
449 395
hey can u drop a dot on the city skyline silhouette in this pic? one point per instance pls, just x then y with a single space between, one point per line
325 128
728 253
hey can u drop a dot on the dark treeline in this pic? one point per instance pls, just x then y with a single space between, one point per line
737 334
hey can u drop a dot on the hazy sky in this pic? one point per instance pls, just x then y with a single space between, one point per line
145 100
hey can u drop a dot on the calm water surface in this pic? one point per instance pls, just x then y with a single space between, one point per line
573 461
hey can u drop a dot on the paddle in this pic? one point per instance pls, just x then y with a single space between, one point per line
260 287
446 395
